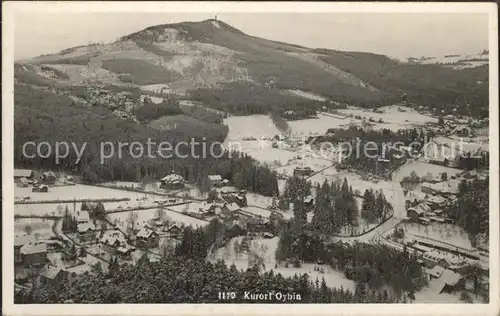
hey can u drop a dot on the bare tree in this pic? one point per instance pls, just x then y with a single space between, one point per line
132 220
28 229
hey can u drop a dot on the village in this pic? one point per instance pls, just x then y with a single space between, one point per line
64 227
83 234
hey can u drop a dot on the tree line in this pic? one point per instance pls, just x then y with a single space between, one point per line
184 276
42 116
375 208
335 207
471 209
371 267
248 98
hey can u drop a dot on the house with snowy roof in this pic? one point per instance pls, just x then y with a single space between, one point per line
417 213
53 275
238 198
19 242
309 201
110 241
83 216
435 201
441 188
48 177
124 251
86 231
34 254
413 198
147 238
174 231
215 180
236 228
172 181
230 208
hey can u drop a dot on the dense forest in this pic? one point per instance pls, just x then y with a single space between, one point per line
180 280
335 207
183 276
375 208
371 267
433 85
471 209
248 98
42 116
151 110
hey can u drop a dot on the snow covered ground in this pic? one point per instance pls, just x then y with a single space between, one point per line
462 144
143 216
262 151
39 227
266 249
392 117
422 168
447 233
308 95
430 294
78 192
317 126
258 200
257 126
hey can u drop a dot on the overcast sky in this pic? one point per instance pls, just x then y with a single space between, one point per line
398 35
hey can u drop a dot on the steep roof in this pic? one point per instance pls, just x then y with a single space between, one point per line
52 272
173 178
145 232
84 227
83 216
232 207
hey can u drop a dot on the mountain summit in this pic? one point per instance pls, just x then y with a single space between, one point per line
212 54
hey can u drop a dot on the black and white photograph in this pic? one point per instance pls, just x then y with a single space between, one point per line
215 155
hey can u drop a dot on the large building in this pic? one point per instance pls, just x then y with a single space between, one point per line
34 254
173 181
48 177
302 171
215 180
19 242
147 238
441 188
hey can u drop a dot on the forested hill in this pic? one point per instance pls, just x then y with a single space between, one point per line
209 58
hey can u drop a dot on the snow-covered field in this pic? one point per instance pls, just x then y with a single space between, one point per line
143 216
261 151
430 294
393 118
257 126
258 200
78 192
447 233
308 95
462 144
39 226
266 249
422 168
317 126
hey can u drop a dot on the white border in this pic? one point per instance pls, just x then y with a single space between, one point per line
9 10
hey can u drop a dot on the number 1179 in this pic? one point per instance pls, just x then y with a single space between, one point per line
227 295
